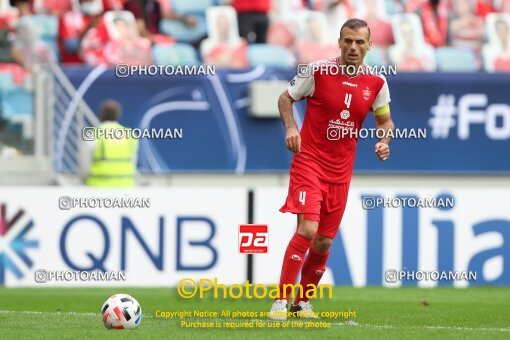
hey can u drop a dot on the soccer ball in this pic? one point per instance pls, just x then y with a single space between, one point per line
121 311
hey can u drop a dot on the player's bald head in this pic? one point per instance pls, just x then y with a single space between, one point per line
355 24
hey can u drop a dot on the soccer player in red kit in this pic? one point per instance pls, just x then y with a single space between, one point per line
324 151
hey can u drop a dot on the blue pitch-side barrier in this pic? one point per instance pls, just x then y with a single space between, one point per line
466 117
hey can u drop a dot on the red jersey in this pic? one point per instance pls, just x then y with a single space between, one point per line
244 6
335 101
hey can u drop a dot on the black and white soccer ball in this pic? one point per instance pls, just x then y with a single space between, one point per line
121 311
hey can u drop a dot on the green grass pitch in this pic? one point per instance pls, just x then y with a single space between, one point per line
398 313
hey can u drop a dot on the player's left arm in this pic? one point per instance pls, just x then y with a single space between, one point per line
383 122
382 114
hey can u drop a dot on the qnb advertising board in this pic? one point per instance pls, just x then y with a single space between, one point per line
374 242
184 233
194 232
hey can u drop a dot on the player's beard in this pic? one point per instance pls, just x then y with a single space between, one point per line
352 62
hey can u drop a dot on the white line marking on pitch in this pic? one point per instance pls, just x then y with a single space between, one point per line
347 323
454 328
33 312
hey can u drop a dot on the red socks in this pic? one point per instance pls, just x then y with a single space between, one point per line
313 269
292 262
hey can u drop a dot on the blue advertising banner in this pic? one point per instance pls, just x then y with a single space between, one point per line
466 118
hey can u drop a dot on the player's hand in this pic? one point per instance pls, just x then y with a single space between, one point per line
293 140
382 150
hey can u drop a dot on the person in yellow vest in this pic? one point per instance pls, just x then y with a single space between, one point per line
112 154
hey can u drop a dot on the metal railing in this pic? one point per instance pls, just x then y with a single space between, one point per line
60 114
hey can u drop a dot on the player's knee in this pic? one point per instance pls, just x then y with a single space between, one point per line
308 228
322 244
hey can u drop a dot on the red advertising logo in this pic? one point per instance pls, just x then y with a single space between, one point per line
253 238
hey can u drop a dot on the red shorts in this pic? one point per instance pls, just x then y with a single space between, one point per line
319 201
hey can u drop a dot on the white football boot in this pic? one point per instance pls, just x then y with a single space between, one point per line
279 310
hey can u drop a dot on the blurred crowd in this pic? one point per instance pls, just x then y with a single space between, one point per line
415 35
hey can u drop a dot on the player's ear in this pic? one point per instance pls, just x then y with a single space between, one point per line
369 45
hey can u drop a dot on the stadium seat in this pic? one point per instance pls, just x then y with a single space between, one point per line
183 33
451 59
390 7
6 81
45 27
16 102
176 54
191 7
269 55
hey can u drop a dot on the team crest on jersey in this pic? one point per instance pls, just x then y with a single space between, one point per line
345 114
366 93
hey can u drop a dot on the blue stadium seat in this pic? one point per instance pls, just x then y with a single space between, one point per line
269 55
375 57
182 32
191 7
452 59
45 27
16 102
6 81
390 7
176 54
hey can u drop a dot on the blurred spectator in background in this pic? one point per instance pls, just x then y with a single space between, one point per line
286 10
52 7
502 60
337 12
23 6
434 19
503 6
374 13
314 43
224 47
496 53
466 28
483 7
113 5
411 53
125 45
73 27
284 23
28 50
502 57
253 19
110 162
148 15
282 34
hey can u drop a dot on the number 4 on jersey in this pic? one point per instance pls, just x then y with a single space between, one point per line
302 197
347 100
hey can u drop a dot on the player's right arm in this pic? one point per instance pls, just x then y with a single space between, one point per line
300 87
292 137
